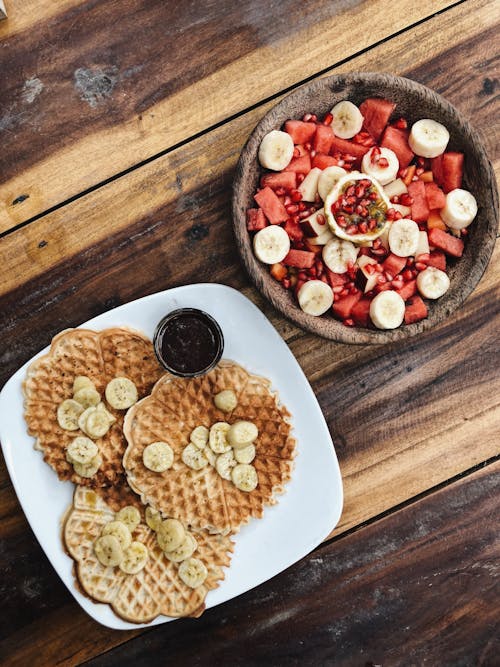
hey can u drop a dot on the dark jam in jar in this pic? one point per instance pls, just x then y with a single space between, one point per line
188 342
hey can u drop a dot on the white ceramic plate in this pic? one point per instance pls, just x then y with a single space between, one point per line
305 514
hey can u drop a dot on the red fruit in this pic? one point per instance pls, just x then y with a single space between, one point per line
302 259
345 146
323 161
336 279
394 264
444 241
437 259
360 312
300 132
419 208
343 307
294 230
273 209
408 290
300 165
376 112
435 220
282 179
448 170
322 140
278 271
256 220
415 310
397 141
434 195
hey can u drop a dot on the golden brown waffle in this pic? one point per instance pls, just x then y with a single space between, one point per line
49 380
155 590
202 499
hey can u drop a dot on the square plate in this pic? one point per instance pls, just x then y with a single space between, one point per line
304 515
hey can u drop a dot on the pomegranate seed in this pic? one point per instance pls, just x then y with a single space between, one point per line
308 146
307 117
381 279
337 289
286 283
287 200
464 231
302 206
373 196
402 173
302 275
397 284
420 161
296 152
400 123
348 322
352 229
395 199
353 289
423 257
319 271
350 264
295 218
296 195
415 178
378 268
407 275
313 153
374 154
369 269
372 223
398 215
377 243
390 214
336 297
389 276
320 219
369 294
349 210
291 208
314 118
300 178
383 162
363 227
419 170
379 252
327 120
312 272
345 292
420 266
406 200
303 215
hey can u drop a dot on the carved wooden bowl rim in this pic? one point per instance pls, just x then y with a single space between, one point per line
414 101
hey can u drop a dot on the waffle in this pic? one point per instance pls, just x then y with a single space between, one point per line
202 499
49 380
155 590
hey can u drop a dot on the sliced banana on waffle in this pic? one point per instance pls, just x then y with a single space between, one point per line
224 463
242 433
96 423
130 516
244 477
193 572
199 436
81 450
193 457
158 456
226 400
185 550
68 413
245 454
88 470
82 382
218 437
119 530
153 518
135 557
87 396
108 550
121 393
170 534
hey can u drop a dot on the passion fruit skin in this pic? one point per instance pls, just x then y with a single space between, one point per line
338 190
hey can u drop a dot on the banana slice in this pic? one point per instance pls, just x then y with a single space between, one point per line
218 437
158 456
404 237
460 209
347 119
199 436
130 516
226 400
271 244
245 454
193 457
328 180
135 558
210 455
82 419
67 414
224 464
96 423
242 433
193 572
108 550
170 534
153 518
81 450
428 138
121 393
102 408
385 172
387 310
315 297
88 397
82 382
88 470
337 254
244 477
432 283
184 551
276 150
119 530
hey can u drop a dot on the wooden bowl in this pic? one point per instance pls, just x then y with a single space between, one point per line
414 101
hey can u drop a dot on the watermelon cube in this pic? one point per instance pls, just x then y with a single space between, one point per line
302 259
294 230
336 279
273 209
446 242
448 170
419 208
300 165
300 132
343 307
345 146
256 220
360 312
394 264
415 310
376 112
323 139
408 290
434 195
437 259
323 161
280 179
397 141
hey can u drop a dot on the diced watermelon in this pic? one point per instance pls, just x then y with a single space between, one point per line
376 112
408 290
281 179
323 161
300 165
397 141
394 264
343 307
434 195
360 312
302 259
446 242
345 146
336 279
419 208
323 139
448 170
256 220
278 271
415 310
435 220
300 132
273 209
437 259
294 230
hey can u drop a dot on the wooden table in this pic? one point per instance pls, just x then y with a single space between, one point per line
121 124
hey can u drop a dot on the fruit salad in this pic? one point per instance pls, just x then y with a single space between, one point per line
359 213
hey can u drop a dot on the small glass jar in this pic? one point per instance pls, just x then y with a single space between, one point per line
188 342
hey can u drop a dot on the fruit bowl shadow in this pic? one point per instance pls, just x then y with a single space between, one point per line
414 101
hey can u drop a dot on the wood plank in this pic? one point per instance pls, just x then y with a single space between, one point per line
426 577
82 103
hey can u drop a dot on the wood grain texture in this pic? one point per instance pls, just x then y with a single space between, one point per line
82 103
